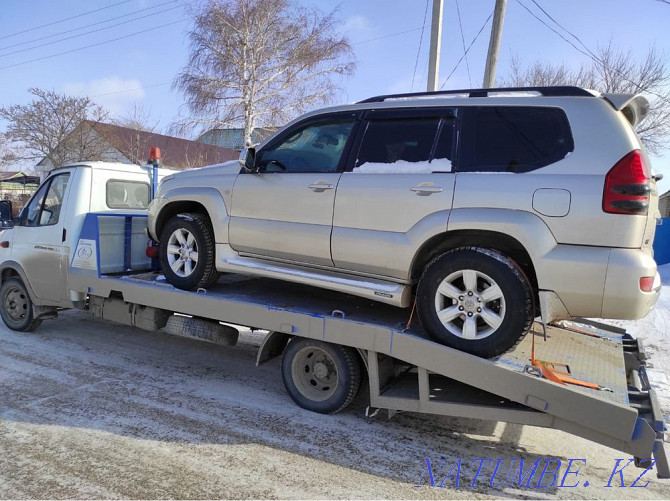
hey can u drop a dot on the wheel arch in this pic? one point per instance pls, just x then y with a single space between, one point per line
275 342
495 240
206 201
12 269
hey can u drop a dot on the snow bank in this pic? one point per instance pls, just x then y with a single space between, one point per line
405 167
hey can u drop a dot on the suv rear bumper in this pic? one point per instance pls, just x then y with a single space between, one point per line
622 296
600 282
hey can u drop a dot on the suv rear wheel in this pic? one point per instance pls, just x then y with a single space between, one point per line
475 300
186 252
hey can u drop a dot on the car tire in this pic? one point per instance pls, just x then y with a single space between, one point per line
186 252
16 308
320 377
475 300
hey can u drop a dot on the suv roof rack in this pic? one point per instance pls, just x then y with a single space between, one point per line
544 91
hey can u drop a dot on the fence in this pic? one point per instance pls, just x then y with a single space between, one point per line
662 242
18 199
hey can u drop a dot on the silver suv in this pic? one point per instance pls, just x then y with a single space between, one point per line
484 208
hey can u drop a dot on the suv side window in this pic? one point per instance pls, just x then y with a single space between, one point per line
44 208
513 138
312 148
405 145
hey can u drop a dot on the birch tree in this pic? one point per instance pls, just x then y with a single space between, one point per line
611 70
259 63
55 127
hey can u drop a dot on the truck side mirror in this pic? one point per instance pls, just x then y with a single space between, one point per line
248 159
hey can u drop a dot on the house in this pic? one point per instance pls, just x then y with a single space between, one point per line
233 138
17 187
664 204
114 143
17 182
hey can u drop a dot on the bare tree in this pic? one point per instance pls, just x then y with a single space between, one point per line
8 156
611 70
55 127
135 144
260 62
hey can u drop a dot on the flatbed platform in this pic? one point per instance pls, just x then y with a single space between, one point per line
407 371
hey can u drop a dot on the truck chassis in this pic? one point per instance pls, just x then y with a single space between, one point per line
609 399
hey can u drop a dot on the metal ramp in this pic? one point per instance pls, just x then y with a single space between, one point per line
409 372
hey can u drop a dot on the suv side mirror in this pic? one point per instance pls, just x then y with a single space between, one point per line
248 159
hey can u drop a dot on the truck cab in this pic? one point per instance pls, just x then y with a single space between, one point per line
36 248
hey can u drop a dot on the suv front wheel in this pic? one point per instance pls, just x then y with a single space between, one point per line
186 252
475 300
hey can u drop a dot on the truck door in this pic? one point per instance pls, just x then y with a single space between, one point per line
39 236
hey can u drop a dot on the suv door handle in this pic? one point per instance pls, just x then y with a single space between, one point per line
320 186
426 190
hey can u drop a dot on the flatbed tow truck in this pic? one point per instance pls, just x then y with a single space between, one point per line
591 382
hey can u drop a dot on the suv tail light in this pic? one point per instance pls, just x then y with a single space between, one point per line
627 186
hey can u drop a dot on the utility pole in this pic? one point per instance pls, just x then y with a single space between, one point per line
494 44
435 42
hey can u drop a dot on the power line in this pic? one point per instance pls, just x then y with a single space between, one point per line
88 32
588 52
89 46
564 28
130 90
65 19
87 26
389 36
467 64
425 14
468 49
552 29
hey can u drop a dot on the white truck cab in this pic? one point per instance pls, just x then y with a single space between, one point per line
37 248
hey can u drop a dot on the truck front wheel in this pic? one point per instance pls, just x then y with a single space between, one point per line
186 252
16 308
320 377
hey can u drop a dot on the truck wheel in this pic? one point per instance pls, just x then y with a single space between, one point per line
186 252
320 377
17 308
475 300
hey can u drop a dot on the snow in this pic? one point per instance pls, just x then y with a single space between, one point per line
404 167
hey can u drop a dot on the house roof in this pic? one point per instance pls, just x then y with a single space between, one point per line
176 152
17 178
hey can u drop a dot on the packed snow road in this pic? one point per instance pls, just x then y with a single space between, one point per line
90 409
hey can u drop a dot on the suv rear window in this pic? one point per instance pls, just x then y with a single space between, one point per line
513 138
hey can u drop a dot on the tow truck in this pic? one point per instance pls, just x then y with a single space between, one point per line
81 242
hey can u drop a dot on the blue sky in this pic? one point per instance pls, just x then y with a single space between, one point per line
136 47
